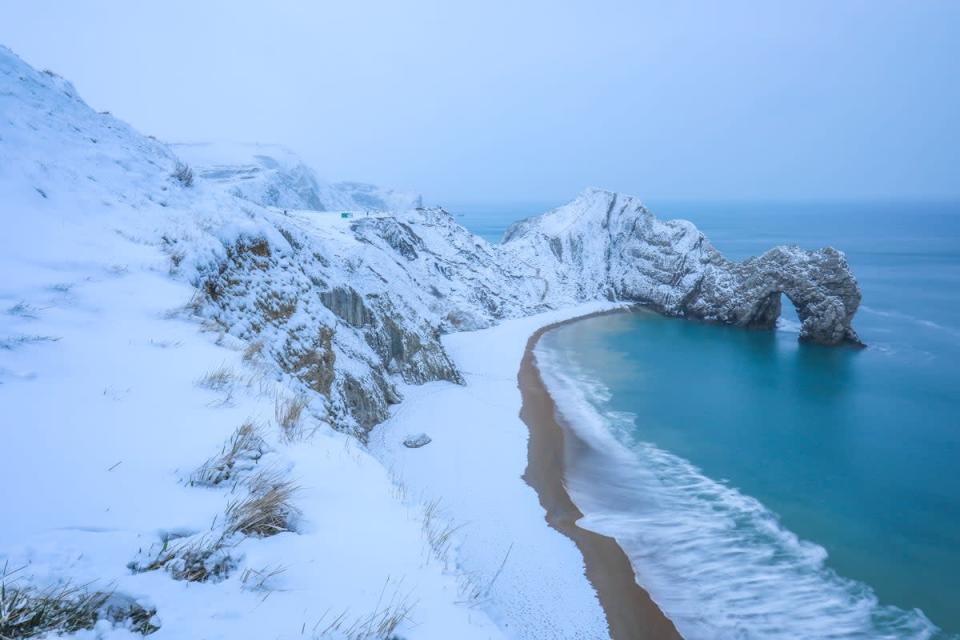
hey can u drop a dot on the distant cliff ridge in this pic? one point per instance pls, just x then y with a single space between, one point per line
274 176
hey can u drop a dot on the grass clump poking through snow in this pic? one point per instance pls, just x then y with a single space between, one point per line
438 531
183 174
194 559
379 624
220 379
262 579
253 353
223 380
241 454
27 612
266 511
288 412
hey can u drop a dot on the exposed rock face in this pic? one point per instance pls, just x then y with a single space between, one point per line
345 345
605 244
818 283
347 305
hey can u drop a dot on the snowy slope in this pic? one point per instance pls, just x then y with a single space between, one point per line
111 411
275 176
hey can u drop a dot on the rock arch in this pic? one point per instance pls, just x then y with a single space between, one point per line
818 283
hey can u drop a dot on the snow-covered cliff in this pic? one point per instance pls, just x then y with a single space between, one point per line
609 244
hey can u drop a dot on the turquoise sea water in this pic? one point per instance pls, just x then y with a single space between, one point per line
769 489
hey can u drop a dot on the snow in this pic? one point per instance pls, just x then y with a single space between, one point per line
103 426
274 175
473 467
105 419
103 423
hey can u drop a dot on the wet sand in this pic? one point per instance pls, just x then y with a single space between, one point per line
631 613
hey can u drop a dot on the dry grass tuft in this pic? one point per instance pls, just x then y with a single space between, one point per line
379 624
183 174
223 380
438 531
196 559
288 412
27 611
260 580
220 379
254 352
24 310
241 454
399 487
266 511
258 246
177 257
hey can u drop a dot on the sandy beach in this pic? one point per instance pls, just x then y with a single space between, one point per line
543 577
631 613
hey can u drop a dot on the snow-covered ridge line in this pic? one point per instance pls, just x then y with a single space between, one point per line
274 176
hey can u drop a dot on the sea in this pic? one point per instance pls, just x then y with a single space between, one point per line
764 488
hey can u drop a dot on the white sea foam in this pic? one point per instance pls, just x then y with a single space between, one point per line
788 326
718 562
906 317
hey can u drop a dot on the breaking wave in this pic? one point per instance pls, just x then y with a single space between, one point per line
718 562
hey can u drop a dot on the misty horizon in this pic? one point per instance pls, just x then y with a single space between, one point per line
493 104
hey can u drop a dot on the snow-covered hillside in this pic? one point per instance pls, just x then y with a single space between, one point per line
183 370
152 457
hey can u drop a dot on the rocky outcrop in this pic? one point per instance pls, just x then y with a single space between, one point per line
607 244
350 347
416 441
748 294
347 305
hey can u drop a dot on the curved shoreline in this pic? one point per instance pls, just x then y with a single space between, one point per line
631 613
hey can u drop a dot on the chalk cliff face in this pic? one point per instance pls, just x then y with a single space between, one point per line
352 307
607 244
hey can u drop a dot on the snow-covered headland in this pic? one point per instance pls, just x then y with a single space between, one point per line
193 358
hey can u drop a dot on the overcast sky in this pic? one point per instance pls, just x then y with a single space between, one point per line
496 101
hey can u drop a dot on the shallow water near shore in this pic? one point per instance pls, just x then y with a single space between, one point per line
769 489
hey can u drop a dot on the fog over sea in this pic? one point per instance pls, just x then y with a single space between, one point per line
768 489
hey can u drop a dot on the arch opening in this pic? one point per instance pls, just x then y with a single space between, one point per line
773 310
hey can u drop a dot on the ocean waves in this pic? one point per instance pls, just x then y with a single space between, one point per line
717 561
